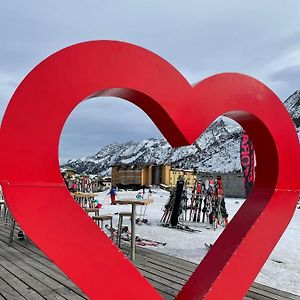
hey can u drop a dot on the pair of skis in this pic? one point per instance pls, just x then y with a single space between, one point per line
168 208
180 227
142 241
126 236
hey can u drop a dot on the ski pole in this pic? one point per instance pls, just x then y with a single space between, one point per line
144 213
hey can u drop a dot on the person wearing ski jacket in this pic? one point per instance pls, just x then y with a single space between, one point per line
139 196
112 193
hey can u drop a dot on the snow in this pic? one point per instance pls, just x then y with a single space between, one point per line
292 104
282 269
131 159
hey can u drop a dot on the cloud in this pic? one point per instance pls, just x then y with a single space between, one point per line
200 38
287 78
101 121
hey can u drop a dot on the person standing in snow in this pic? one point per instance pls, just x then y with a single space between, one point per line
112 193
139 196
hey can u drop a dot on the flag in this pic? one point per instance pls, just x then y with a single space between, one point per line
247 161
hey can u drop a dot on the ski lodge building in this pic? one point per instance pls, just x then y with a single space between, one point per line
137 175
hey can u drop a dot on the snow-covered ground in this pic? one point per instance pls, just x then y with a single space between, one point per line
282 269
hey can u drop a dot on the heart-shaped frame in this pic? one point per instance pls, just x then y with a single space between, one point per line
36 195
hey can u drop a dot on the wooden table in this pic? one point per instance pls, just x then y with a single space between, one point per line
83 195
134 202
92 210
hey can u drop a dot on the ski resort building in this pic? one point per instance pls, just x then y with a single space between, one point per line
137 175
190 177
131 175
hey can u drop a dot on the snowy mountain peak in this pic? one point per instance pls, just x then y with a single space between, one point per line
217 149
204 154
292 104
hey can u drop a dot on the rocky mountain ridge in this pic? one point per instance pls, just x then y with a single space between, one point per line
216 150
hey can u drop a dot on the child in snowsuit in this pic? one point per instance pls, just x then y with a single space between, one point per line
139 196
112 193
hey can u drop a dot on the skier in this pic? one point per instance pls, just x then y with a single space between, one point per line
139 195
112 193
96 203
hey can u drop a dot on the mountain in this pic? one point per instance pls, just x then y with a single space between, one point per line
217 149
292 104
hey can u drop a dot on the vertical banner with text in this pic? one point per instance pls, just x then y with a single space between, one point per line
248 162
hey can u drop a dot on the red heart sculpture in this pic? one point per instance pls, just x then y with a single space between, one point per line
35 192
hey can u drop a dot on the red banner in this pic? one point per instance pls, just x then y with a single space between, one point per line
247 162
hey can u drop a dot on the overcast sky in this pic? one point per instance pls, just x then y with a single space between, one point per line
200 38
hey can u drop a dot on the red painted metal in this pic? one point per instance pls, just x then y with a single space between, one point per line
38 199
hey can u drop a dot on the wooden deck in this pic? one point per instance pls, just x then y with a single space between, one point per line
25 273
